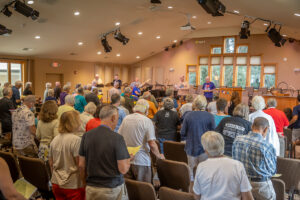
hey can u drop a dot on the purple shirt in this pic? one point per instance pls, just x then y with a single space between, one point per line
62 97
208 86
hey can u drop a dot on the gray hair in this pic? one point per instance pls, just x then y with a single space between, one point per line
90 108
48 85
66 87
168 104
213 143
141 106
70 99
189 98
272 102
260 123
28 84
241 110
147 95
199 102
258 103
50 93
29 99
18 83
108 111
127 90
6 91
169 92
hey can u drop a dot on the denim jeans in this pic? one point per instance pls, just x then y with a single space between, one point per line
161 144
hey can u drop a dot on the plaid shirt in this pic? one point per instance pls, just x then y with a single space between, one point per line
257 155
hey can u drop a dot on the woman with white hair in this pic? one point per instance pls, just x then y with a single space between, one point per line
188 106
86 116
166 121
195 124
50 96
28 89
220 177
48 86
258 103
68 106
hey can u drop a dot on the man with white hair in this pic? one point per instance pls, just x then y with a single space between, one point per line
280 120
68 106
23 126
16 97
220 177
48 86
208 88
97 80
259 159
138 130
195 124
86 116
258 103
57 90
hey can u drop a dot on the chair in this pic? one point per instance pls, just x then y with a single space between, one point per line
279 187
173 174
35 172
12 163
175 151
288 134
140 190
290 170
170 194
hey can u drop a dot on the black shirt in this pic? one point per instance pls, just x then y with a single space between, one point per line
5 114
57 91
230 128
119 82
27 91
91 97
102 148
166 122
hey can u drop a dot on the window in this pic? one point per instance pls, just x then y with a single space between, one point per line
16 72
3 73
216 74
255 73
229 45
241 77
10 72
269 76
228 71
242 49
216 50
192 74
203 69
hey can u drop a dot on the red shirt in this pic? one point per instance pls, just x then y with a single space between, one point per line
279 118
93 123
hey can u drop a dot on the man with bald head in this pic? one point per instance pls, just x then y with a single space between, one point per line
208 88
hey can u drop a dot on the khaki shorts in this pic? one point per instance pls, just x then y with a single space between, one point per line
96 193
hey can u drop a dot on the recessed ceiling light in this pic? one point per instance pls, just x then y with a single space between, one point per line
170 7
80 43
118 55
208 22
297 14
117 23
174 41
158 37
194 17
99 52
76 13
137 57
37 37
265 24
236 11
30 2
140 33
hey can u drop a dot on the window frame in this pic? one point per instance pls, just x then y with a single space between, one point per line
9 62
216 46
187 73
237 47
276 72
235 43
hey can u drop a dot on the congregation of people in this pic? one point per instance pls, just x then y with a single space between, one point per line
84 139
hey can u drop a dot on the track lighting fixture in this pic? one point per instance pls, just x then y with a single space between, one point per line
275 36
173 46
25 10
120 37
4 30
167 49
105 44
155 1
245 32
6 11
213 7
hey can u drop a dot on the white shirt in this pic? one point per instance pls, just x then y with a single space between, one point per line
137 130
272 136
212 108
221 178
186 107
99 81
181 85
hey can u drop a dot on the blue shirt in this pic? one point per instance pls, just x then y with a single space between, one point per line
195 124
122 115
219 118
257 155
15 96
80 103
208 86
296 111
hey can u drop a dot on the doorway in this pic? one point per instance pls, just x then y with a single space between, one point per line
52 78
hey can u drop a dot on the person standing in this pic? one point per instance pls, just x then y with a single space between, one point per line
104 159
188 105
28 89
136 92
97 81
296 121
182 84
80 101
221 105
152 108
62 96
115 101
6 108
117 80
57 90
234 101
208 88
48 87
68 106
93 97
113 90
129 102
16 97
259 159
23 128
195 124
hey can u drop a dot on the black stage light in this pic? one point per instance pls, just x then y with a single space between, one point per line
173 45
120 37
7 12
105 44
181 42
4 30
291 40
25 10
156 1
167 49
213 7
276 38
245 32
